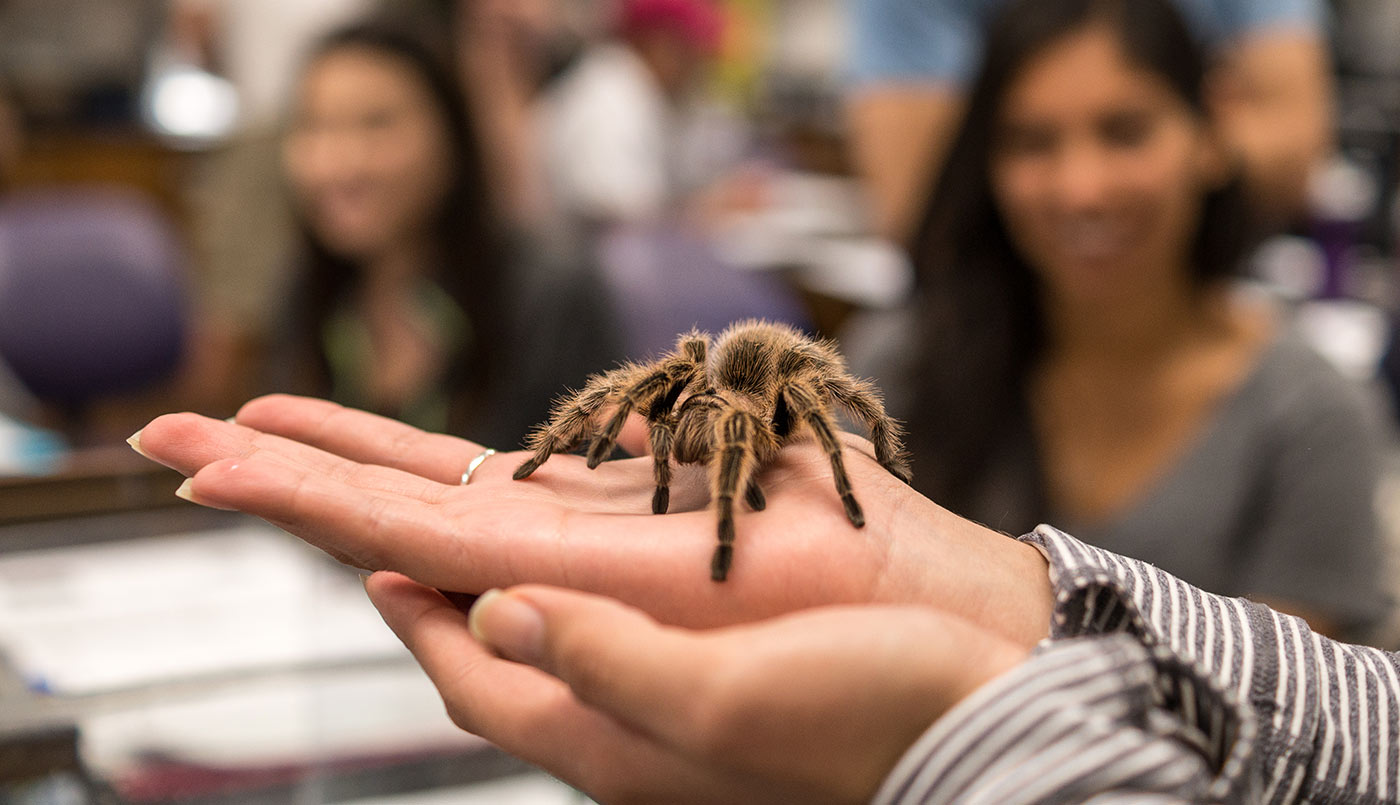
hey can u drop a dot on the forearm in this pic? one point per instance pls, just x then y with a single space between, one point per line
898 136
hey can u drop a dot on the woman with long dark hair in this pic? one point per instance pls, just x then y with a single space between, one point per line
415 300
1085 359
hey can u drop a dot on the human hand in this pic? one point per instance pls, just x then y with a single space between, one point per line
815 706
379 494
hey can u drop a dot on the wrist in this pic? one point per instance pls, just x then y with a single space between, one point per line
1030 601
1007 589
998 583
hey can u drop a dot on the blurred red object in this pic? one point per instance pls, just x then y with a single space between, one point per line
698 22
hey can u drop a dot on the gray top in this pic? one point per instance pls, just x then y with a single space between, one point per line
1275 498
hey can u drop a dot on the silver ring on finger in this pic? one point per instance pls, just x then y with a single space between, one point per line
475 463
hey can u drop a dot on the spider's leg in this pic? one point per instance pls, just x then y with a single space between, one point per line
662 420
754 497
606 437
737 433
862 399
680 368
570 418
805 406
668 380
662 437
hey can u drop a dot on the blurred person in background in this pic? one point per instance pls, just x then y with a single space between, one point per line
1080 354
1270 86
243 231
633 144
509 52
414 300
628 133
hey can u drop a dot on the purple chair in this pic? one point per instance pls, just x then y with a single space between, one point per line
91 297
664 280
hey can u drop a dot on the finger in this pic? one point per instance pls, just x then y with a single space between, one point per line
760 698
436 633
612 656
561 527
363 526
361 436
475 538
372 439
883 674
189 442
480 539
524 711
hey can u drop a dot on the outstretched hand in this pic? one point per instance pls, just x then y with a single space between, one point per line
814 706
382 495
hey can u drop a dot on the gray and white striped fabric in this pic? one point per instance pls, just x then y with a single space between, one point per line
1151 690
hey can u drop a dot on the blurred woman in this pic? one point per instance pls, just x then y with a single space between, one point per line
1087 361
416 303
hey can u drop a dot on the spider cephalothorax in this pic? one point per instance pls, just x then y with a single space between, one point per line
730 402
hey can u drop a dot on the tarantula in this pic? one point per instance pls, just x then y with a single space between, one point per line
729 402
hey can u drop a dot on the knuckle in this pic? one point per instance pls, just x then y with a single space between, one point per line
373 552
720 714
461 718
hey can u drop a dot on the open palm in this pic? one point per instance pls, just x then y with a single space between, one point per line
381 495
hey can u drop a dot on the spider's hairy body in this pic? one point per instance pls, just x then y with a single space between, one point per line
730 402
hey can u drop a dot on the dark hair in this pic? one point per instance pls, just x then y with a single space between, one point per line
468 237
982 326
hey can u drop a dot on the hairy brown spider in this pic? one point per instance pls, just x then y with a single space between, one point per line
741 397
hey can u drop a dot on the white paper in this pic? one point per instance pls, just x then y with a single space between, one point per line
89 619
295 718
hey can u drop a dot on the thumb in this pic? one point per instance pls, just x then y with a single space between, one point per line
614 657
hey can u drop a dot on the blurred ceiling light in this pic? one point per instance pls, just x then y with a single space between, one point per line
191 105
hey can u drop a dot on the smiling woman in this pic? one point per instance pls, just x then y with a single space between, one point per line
370 152
415 300
1100 169
400 308
1086 360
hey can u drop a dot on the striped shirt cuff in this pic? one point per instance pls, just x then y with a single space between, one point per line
1081 720
1111 706
1151 690
1327 714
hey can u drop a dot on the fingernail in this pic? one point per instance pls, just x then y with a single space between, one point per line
135 441
186 491
233 420
509 625
474 614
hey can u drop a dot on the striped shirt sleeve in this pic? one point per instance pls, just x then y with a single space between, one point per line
1150 690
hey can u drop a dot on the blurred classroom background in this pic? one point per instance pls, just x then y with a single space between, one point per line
171 219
